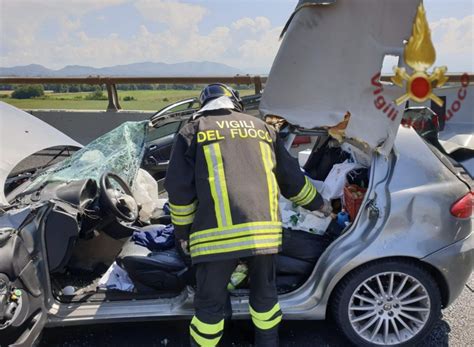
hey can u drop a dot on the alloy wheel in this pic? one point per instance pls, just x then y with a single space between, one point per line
389 308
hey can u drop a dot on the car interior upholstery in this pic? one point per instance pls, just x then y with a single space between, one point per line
79 259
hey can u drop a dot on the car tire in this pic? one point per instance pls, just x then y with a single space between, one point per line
394 317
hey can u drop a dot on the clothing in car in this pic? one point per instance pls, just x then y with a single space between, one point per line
157 237
226 172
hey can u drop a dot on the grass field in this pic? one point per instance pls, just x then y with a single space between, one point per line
144 100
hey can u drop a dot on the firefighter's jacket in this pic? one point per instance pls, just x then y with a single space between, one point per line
225 175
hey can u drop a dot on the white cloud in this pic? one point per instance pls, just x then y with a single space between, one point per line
453 39
178 16
247 42
70 24
20 21
260 51
179 36
259 24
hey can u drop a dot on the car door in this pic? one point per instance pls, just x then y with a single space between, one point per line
23 276
158 148
165 125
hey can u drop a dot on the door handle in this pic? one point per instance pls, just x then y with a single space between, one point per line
163 163
152 147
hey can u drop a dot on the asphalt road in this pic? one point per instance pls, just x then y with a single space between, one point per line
455 329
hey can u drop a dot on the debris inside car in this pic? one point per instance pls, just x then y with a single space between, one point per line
156 265
63 227
147 255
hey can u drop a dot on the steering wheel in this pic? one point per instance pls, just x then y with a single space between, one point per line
118 198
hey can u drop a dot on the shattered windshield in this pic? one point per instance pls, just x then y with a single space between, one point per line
119 151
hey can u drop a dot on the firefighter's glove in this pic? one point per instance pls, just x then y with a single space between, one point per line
184 246
326 208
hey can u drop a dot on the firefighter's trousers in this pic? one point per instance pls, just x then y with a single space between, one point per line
211 299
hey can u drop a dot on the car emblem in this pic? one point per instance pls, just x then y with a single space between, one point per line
420 54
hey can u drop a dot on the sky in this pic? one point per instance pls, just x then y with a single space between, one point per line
240 33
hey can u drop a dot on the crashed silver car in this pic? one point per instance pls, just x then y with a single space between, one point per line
404 254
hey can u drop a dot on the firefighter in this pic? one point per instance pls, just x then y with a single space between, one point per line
225 175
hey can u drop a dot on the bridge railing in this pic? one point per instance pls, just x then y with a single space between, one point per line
111 82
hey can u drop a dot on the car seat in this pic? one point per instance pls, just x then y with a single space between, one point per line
159 271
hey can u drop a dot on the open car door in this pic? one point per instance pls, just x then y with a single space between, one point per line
165 125
23 275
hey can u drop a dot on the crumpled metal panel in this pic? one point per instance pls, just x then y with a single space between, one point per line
22 135
302 4
119 151
327 65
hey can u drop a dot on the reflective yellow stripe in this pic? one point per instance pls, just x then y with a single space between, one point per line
237 248
202 341
212 185
271 180
223 184
263 320
306 195
309 197
218 237
208 232
265 315
207 328
304 191
182 220
266 325
218 184
235 230
270 235
183 210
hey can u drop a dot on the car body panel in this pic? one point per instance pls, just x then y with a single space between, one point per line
22 135
325 67
402 216
455 262
458 131
405 213
24 264
381 230
455 116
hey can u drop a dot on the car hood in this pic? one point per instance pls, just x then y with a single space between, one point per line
329 63
22 135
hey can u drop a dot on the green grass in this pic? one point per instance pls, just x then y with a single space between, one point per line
144 100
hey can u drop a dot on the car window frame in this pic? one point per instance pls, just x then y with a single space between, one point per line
157 129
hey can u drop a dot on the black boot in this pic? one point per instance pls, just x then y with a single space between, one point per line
267 338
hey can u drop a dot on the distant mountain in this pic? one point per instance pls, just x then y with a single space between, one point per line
205 68
27 70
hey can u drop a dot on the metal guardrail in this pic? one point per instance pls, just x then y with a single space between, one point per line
111 82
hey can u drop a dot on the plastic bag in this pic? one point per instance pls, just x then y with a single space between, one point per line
238 276
116 278
334 183
298 218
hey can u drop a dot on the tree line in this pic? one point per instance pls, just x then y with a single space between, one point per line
38 89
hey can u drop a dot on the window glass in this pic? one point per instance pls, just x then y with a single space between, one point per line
162 131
